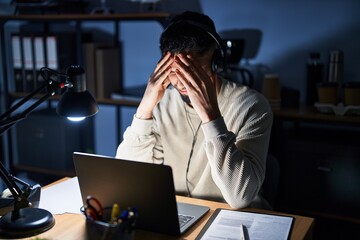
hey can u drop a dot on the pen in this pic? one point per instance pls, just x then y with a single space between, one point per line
114 213
242 232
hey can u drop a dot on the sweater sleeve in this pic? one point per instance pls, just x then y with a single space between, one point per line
140 142
238 160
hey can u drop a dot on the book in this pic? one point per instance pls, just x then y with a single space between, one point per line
107 71
89 49
231 224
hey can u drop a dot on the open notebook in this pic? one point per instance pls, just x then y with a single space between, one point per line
148 187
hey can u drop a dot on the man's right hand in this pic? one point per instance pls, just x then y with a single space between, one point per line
155 88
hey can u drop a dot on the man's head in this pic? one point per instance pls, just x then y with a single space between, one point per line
195 33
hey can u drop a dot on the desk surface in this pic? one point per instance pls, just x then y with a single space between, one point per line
305 113
72 226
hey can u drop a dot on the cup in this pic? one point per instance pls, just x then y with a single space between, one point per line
96 230
352 93
271 87
328 93
271 90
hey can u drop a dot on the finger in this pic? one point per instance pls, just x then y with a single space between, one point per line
194 65
184 80
186 62
164 62
159 77
190 59
162 68
166 83
185 67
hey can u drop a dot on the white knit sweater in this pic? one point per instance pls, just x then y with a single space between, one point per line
229 153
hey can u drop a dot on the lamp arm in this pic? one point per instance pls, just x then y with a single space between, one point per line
48 83
51 86
23 101
20 197
14 189
8 123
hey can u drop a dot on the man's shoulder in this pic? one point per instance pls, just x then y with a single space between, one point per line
242 95
237 90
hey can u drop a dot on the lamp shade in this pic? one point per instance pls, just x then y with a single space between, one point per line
77 104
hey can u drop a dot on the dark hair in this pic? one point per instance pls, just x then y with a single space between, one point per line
188 32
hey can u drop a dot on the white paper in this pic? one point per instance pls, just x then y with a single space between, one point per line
227 225
64 197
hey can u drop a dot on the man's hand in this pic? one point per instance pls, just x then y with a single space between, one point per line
200 87
155 88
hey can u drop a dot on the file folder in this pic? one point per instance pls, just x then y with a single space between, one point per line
39 51
28 63
17 62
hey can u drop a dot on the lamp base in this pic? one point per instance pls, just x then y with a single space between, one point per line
7 204
25 222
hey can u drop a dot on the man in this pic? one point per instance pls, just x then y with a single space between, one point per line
212 132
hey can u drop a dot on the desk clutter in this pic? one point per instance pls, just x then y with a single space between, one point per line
338 109
339 100
108 223
72 224
331 93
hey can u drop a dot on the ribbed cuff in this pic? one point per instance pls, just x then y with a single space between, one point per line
141 126
214 128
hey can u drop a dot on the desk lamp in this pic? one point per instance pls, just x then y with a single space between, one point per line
76 103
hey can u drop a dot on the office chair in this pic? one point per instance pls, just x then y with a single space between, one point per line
271 181
240 44
246 76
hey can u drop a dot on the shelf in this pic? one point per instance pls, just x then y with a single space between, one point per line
160 16
310 114
129 103
8 96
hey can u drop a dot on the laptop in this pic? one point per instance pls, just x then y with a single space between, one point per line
147 187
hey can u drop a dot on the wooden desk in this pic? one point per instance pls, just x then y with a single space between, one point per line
310 114
317 153
72 226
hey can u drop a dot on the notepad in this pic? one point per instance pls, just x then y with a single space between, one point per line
232 224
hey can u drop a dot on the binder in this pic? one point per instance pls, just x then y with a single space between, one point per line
61 50
107 71
28 64
51 52
39 52
17 62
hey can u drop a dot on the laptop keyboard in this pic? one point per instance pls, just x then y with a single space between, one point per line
184 219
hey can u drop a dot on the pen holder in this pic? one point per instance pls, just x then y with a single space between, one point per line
104 230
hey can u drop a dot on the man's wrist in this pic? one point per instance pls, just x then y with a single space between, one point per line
211 116
214 128
143 115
